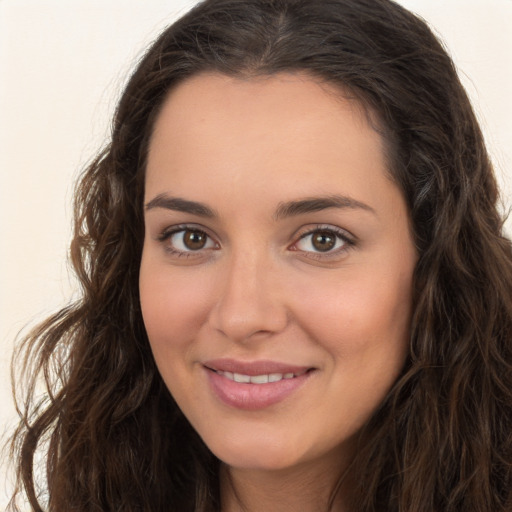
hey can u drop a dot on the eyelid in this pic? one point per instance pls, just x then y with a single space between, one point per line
169 231
348 239
175 228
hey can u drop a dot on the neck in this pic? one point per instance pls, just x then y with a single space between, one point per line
310 489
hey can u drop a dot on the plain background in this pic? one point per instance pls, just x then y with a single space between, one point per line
62 67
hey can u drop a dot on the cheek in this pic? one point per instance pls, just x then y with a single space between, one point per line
357 312
173 304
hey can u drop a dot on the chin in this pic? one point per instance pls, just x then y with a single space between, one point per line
271 455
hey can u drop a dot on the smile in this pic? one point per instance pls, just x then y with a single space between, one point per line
254 385
258 379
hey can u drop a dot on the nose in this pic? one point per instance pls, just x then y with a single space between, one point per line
250 304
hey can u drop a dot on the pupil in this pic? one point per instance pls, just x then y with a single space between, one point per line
324 241
194 240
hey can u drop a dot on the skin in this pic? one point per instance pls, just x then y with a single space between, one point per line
260 289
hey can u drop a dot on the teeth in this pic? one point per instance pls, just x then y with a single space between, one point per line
256 379
238 377
259 379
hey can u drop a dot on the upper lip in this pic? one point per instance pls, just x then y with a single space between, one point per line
253 368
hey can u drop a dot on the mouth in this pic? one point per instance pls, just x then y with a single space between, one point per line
264 378
255 385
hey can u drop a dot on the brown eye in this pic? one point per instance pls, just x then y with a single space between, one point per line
194 240
323 240
188 240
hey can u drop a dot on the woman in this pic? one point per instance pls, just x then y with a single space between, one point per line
296 293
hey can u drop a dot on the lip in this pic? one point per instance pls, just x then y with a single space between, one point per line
248 396
253 367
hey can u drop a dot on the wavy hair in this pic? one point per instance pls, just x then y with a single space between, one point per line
111 436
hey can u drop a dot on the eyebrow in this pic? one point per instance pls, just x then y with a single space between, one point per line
316 204
284 210
180 205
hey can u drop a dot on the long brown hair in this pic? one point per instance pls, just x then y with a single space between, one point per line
111 434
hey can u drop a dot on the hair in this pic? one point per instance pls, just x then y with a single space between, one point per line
110 433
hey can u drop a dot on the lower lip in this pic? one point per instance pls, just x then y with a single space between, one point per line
252 397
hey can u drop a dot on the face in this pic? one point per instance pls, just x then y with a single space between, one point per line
277 267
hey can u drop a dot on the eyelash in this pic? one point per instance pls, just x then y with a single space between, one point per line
167 234
340 235
348 242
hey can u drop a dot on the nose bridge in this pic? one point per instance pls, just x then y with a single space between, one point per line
250 301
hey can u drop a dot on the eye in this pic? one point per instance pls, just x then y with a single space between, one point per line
323 240
186 240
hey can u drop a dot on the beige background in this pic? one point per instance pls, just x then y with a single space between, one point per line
62 67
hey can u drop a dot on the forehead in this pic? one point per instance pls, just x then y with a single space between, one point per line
287 132
252 98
